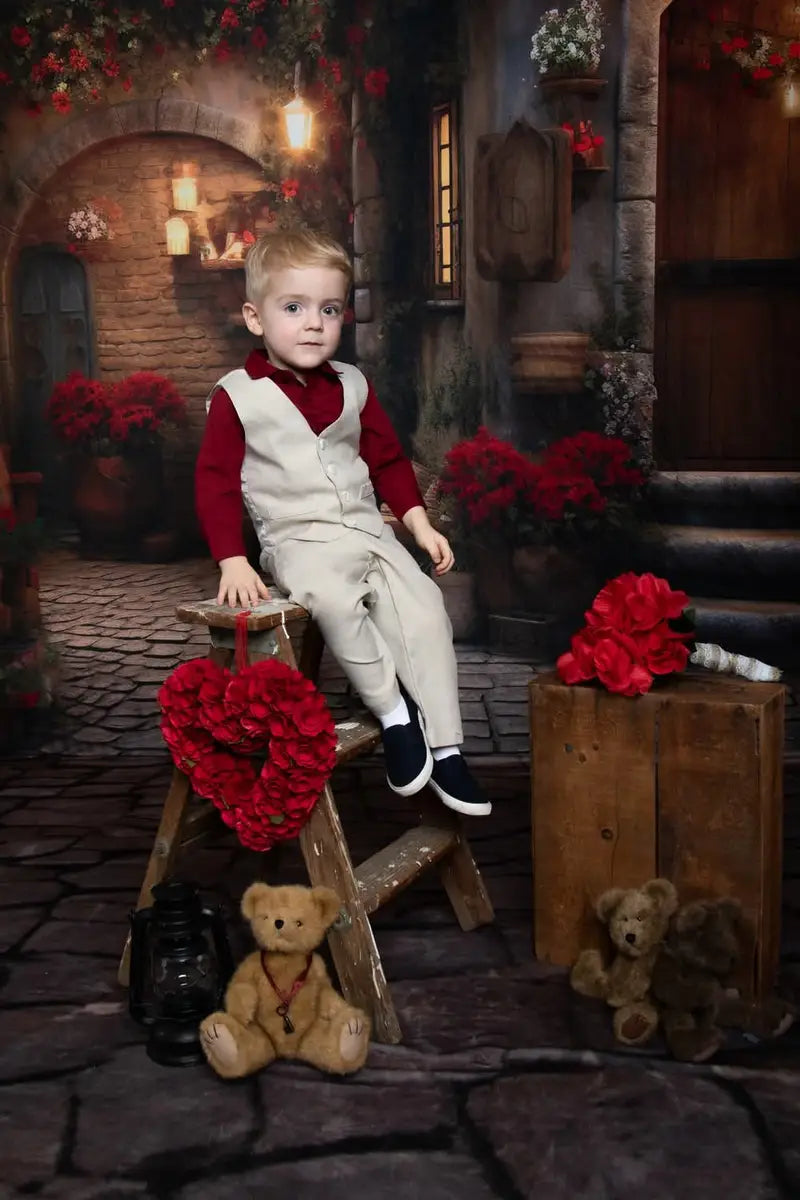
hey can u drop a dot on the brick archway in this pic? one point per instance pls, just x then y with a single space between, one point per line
635 201
128 120
67 141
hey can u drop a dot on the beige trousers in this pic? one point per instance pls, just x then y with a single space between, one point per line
382 618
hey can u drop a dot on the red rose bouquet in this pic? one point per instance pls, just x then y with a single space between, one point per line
102 418
638 628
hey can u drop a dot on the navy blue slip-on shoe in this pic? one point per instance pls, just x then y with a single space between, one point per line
453 783
406 754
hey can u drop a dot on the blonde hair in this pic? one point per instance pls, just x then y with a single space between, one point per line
291 248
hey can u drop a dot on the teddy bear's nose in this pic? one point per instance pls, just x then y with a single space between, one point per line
278 923
629 937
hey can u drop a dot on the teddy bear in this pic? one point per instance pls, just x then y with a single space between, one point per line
280 1002
637 920
691 982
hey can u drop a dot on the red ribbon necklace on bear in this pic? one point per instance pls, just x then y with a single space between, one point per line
286 998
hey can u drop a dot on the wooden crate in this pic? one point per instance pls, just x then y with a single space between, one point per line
685 782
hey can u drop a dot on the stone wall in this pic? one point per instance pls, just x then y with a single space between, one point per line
151 311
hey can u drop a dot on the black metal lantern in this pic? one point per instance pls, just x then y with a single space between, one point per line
180 966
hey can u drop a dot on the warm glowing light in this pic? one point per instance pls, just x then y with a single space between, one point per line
184 188
177 236
791 99
299 119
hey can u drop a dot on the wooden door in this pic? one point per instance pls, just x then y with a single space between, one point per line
53 337
728 254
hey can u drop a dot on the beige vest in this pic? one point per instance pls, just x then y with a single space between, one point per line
296 484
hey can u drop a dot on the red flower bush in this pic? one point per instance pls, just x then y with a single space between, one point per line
214 723
582 483
106 418
628 638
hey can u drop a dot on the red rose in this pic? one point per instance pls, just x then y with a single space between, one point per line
577 665
618 664
634 602
20 36
663 650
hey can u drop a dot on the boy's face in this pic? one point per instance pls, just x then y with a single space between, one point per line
300 316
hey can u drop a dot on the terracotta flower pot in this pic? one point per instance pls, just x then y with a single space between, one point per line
549 362
116 499
496 585
460 602
555 581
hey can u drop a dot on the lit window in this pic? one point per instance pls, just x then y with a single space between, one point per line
445 203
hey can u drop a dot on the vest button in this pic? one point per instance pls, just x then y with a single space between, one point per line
332 469
321 443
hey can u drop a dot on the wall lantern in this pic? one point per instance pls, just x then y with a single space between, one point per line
177 236
184 187
299 117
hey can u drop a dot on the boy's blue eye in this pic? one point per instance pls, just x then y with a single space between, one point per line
292 308
331 310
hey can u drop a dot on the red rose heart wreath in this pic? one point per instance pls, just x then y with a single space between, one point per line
217 724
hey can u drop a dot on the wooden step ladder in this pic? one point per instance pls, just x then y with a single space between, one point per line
280 629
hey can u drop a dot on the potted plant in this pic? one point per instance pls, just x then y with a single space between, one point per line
541 530
569 44
112 433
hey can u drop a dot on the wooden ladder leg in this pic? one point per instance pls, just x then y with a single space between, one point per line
163 854
328 864
458 871
353 947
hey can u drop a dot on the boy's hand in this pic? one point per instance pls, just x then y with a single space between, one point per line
429 539
239 585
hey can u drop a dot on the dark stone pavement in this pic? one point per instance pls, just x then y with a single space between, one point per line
506 1085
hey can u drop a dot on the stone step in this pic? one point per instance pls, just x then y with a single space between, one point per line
750 499
732 563
766 629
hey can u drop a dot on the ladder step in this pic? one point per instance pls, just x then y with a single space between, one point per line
397 865
355 736
267 615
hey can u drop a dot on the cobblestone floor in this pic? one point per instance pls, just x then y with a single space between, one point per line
506 1085
114 627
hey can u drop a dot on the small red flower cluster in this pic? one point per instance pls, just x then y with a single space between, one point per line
628 639
502 491
214 723
99 416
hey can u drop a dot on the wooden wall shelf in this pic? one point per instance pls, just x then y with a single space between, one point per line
569 85
217 264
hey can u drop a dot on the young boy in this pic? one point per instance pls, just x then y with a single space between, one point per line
304 442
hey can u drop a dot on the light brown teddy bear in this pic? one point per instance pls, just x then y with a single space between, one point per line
637 920
280 1002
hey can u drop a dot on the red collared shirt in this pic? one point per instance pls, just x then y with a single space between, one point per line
218 487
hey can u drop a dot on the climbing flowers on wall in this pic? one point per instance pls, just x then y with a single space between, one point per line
69 52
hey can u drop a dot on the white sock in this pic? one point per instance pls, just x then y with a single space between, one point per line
398 716
444 752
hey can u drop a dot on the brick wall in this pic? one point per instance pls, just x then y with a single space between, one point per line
152 311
